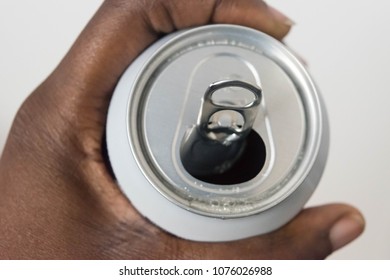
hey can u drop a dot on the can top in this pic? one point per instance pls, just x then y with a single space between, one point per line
167 97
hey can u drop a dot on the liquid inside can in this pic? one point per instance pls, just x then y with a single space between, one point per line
217 133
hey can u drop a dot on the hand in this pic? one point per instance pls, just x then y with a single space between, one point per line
58 199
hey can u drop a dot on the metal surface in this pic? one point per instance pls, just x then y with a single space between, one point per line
158 101
229 118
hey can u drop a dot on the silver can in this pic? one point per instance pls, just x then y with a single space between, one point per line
217 133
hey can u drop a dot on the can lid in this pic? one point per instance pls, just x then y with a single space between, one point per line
166 100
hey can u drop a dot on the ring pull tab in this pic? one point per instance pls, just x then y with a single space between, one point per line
226 117
229 109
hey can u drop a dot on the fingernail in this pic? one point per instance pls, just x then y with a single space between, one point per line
280 17
345 230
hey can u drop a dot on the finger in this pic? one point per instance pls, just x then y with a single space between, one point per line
254 14
122 29
314 234
317 232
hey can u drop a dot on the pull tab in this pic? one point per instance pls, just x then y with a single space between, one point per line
228 112
226 118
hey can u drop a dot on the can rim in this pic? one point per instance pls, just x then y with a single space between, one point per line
306 85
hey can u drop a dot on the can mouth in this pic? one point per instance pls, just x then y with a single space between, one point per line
248 164
278 152
218 149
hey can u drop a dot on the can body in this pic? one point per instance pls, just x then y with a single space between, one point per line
201 187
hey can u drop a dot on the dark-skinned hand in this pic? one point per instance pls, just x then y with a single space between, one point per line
58 199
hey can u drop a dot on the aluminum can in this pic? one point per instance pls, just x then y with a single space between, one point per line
217 133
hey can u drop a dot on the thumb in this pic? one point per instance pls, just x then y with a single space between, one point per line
317 232
314 234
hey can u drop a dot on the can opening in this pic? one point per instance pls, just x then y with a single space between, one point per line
212 169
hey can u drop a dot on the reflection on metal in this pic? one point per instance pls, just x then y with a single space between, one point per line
217 141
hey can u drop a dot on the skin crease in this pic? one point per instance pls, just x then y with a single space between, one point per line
58 199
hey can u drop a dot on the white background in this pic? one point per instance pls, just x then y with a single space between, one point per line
347 47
